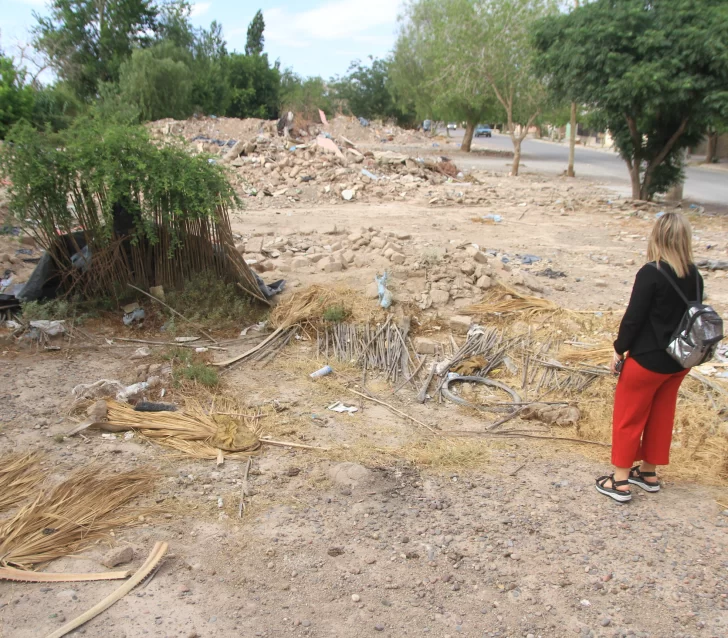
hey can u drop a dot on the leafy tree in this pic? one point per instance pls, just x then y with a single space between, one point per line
87 41
254 43
55 106
655 71
368 91
254 86
158 81
210 86
16 97
476 54
305 95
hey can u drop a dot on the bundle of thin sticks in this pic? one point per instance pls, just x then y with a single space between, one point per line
384 348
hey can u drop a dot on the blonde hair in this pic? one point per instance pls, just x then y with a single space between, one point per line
671 241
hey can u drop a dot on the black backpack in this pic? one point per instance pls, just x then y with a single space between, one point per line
701 329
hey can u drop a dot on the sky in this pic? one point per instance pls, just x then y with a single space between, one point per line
313 37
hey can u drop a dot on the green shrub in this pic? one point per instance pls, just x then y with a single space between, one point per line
198 372
47 310
335 313
212 302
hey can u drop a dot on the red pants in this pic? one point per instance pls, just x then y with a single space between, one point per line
644 413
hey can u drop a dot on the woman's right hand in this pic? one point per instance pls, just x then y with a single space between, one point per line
616 360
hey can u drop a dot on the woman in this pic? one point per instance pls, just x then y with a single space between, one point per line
644 403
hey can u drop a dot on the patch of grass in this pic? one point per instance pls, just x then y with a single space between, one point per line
336 313
211 302
181 355
198 372
47 310
59 438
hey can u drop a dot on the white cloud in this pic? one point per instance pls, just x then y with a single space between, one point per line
337 20
200 8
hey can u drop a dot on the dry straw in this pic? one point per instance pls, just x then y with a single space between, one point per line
191 432
72 515
20 475
504 300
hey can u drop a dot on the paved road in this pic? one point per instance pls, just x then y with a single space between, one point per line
702 185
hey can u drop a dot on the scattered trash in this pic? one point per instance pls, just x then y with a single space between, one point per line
257 327
186 339
551 274
348 194
322 115
132 312
326 370
340 407
148 406
82 260
490 217
201 350
49 328
141 353
132 392
385 296
527 260
369 174
660 214
363 121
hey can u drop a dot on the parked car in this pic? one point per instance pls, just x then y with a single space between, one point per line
483 131
452 126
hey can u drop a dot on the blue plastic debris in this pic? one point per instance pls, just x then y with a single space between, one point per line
527 260
385 296
660 214
363 121
492 218
369 174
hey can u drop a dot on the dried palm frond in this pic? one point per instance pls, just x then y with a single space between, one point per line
20 475
72 515
202 450
505 300
597 356
215 431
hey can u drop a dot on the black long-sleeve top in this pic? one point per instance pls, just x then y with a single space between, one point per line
654 312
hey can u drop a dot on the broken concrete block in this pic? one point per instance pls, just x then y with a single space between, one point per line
480 257
460 324
484 282
333 266
397 258
372 291
377 242
97 411
348 474
439 297
348 256
299 262
118 556
467 268
423 345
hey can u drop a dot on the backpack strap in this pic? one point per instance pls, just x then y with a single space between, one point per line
676 287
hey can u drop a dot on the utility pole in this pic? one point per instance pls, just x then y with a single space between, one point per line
572 130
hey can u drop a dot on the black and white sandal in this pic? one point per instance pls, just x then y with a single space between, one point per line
637 477
612 492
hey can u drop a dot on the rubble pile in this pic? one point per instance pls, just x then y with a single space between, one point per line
435 275
320 166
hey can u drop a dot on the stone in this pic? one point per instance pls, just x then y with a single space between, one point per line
423 345
600 283
439 297
315 257
355 598
460 324
468 268
333 266
403 236
348 256
480 258
397 258
118 556
299 262
471 251
97 411
254 245
355 237
141 353
484 282
388 252
372 291
67 594
378 243
158 292
348 474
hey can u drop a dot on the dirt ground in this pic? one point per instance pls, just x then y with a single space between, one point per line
389 531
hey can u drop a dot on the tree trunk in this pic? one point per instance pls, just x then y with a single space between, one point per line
634 175
468 137
572 141
516 155
712 147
